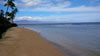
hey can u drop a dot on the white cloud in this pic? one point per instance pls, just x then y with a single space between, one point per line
55 6
64 4
49 6
82 17
85 17
60 9
96 2
42 3
58 6
28 3
29 18
2 2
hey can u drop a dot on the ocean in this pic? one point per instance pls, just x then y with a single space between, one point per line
73 40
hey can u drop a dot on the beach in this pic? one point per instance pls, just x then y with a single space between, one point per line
23 42
73 40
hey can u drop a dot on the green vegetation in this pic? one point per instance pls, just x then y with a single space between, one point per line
7 17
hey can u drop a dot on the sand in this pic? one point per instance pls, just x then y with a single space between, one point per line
23 42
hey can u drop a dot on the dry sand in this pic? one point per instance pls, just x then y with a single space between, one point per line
23 42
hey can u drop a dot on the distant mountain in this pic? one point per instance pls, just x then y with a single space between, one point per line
54 23
28 22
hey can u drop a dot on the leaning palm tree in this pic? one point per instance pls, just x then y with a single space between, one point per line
1 14
10 15
8 4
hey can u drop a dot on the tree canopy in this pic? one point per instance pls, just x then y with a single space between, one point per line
9 15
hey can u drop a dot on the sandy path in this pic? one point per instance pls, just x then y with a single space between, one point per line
24 42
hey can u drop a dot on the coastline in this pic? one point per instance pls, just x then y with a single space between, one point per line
23 42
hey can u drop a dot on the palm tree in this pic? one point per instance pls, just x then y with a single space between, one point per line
1 14
10 15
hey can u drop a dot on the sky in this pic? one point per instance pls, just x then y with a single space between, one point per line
57 10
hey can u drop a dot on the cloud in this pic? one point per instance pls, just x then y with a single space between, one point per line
27 3
64 4
84 17
57 5
2 2
42 3
96 2
29 18
62 9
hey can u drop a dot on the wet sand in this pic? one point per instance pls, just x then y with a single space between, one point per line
23 42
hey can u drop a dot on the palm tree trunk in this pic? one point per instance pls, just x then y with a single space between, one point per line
7 11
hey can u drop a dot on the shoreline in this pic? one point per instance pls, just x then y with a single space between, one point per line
23 42
73 50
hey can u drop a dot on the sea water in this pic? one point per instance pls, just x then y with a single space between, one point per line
74 40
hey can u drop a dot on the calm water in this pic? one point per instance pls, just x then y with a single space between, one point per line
74 40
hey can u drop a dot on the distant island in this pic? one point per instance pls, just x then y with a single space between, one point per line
56 23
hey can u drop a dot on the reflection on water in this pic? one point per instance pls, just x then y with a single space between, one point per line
76 40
